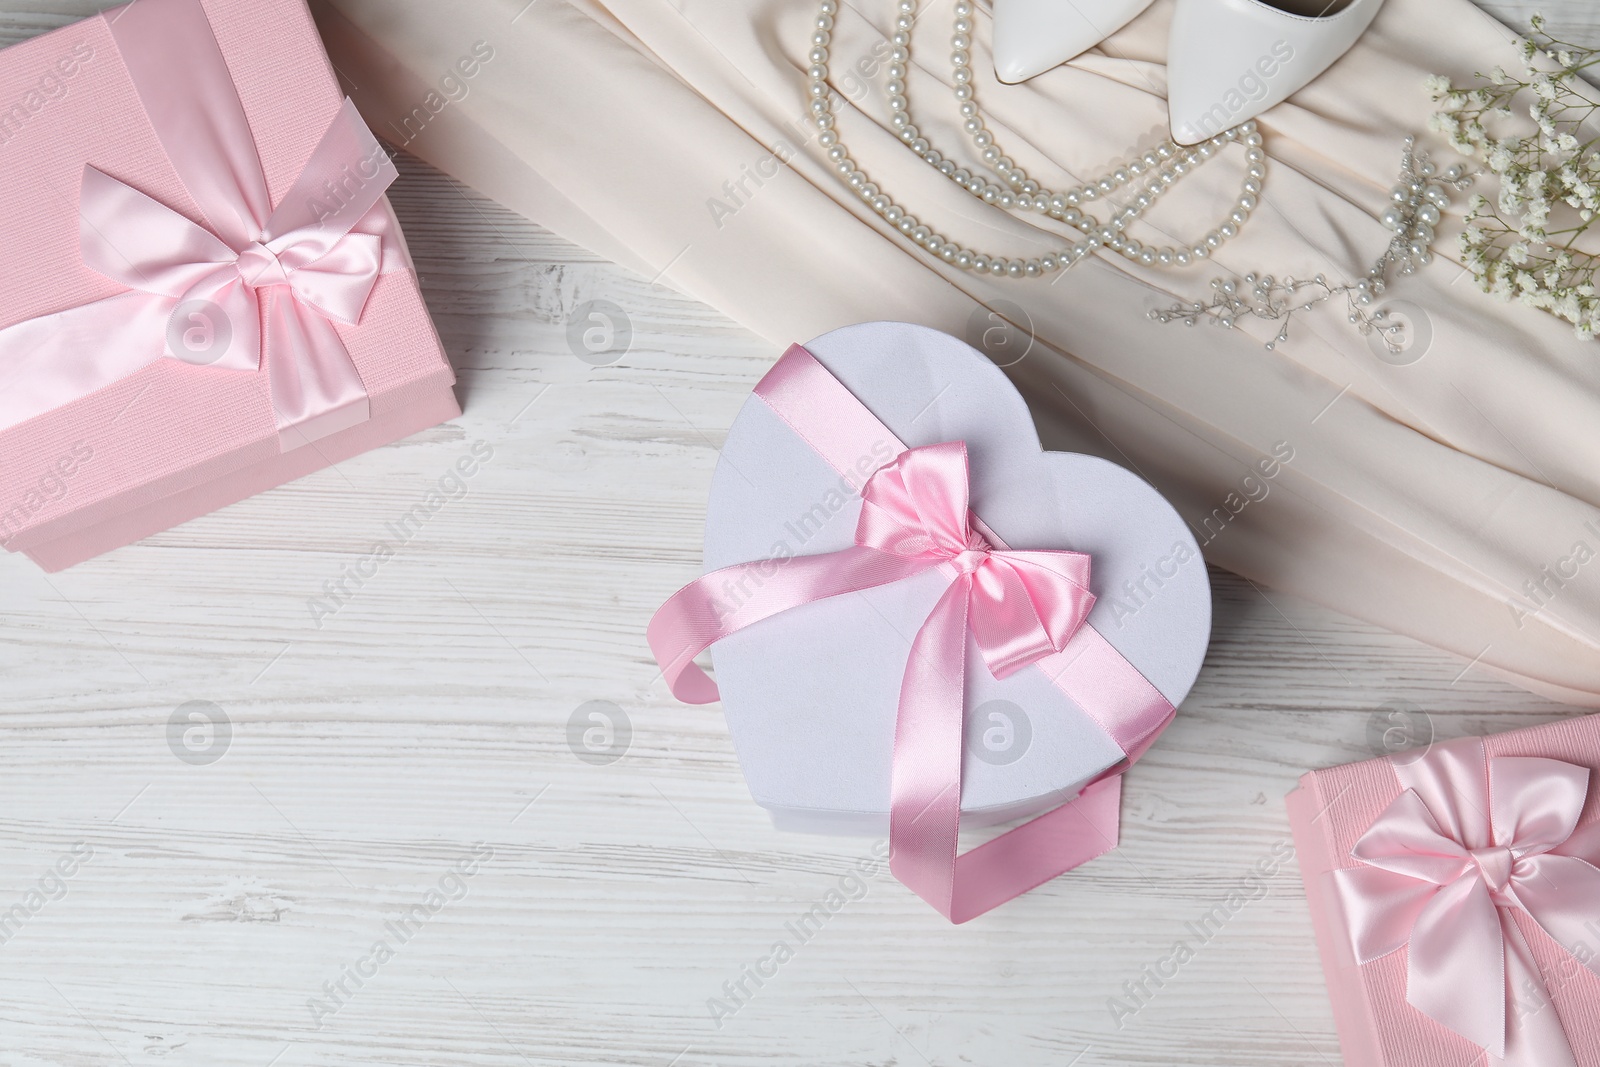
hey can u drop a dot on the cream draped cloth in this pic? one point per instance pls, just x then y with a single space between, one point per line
1452 498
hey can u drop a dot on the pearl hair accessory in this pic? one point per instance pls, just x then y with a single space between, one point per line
1159 169
1419 200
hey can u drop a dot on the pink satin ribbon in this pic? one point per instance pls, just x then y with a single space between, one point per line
252 282
1021 608
1470 842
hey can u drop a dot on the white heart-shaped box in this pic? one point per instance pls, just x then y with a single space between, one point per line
811 694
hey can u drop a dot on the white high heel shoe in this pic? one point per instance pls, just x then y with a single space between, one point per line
1032 36
1230 60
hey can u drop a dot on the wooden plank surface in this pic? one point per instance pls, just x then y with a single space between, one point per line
417 742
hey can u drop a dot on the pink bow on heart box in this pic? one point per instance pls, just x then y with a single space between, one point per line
203 290
921 621
1456 899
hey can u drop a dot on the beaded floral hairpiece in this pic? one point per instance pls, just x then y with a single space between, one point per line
1419 200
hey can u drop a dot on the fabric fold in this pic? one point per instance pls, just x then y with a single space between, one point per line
1438 498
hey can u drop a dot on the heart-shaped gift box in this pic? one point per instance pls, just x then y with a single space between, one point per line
812 684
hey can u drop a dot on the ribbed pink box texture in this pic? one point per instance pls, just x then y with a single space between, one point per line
172 441
1328 813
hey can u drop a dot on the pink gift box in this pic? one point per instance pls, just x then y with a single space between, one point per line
1330 812
174 440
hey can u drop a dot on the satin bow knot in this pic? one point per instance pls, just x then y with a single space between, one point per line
1494 866
140 242
1021 606
260 266
1443 871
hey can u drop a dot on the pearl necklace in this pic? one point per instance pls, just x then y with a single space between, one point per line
1164 165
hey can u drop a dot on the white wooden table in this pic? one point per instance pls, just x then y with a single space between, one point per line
237 876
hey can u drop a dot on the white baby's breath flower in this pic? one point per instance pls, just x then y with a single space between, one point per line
1547 181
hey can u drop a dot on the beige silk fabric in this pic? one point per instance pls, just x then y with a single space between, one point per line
1423 497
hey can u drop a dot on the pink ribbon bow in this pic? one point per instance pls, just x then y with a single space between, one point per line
1019 606
914 515
1445 867
255 282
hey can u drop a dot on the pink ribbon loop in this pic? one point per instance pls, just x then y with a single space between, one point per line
1444 868
247 286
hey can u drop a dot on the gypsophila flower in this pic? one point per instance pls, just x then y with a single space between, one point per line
1528 240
